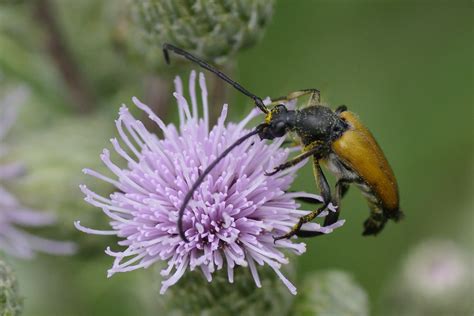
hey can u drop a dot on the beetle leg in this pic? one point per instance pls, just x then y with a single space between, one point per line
307 152
291 143
341 108
315 98
342 185
308 200
326 194
375 223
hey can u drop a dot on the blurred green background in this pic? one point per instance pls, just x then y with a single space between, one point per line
404 66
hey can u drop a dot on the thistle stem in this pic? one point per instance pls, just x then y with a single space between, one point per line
81 96
158 97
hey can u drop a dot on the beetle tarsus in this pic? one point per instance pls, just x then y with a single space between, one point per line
166 53
275 171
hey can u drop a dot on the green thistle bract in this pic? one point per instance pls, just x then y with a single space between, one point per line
211 29
196 296
331 293
11 302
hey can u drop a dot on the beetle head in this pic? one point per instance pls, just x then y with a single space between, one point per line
277 122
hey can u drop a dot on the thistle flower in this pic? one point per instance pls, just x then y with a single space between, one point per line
233 215
436 268
436 279
13 215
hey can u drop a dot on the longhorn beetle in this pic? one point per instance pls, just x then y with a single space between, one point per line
336 139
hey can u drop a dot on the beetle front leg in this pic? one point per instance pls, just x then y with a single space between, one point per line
326 194
307 152
315 98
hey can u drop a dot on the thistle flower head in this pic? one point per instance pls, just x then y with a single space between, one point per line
435 279
231 218
438 269
14 217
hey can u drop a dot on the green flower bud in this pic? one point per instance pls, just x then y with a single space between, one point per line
213 30
11 302
331 293
194 295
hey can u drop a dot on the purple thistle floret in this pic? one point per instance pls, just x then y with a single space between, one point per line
232 217
14 217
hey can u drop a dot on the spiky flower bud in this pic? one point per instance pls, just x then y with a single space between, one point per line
211 29
218 298
11 302
331 293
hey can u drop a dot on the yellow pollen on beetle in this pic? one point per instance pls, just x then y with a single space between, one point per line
268 118
312 145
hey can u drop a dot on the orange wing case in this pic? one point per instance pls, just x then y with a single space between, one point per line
360 151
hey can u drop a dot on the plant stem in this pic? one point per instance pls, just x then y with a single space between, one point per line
81 97
219 94
158 98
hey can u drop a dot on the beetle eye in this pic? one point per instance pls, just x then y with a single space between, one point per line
279 129
280 125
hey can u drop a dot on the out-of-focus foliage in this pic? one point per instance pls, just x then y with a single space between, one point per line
26 55
21 53
213 29
54 158
11 301
331 293
10 2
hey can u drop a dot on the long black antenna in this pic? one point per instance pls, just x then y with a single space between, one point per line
258 101
201 178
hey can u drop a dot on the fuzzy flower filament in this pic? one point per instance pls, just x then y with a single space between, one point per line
233 215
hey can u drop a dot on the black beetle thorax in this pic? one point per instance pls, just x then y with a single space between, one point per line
315 123
290 118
